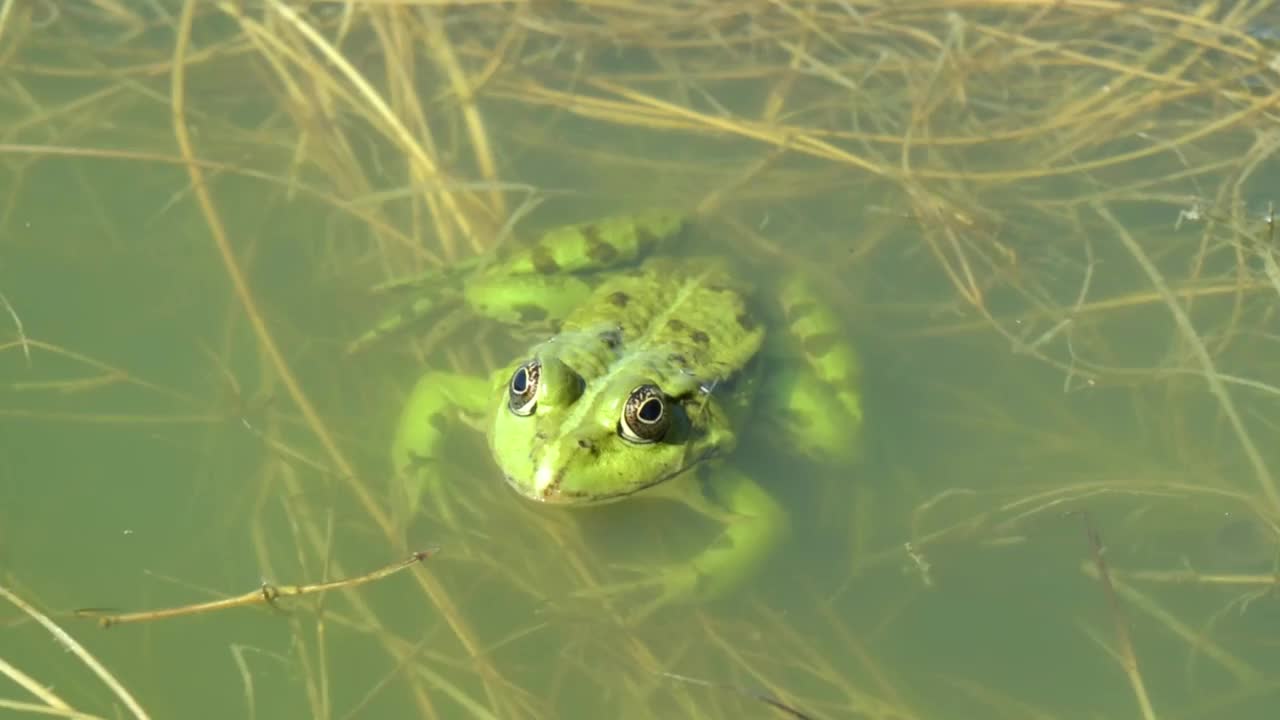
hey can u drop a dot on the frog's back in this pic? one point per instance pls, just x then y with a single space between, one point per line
689 315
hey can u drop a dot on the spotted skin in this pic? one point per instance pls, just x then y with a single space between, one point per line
673 339
531 283
633 320
829 356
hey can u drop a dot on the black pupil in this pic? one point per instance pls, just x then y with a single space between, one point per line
520 381
650 411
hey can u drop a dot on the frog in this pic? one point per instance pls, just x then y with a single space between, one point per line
647 370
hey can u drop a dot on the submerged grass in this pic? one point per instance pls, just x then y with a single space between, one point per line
955 174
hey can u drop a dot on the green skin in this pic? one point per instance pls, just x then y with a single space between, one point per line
648 375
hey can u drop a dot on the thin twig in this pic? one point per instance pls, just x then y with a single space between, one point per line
24 680
265 595
1216 386
1128 658
78 650
17 321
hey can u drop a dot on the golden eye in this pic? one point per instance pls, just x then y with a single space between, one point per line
522 391
644 416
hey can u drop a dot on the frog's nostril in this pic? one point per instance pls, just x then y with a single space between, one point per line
587 445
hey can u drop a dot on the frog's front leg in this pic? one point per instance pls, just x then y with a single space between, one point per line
433 406
753 525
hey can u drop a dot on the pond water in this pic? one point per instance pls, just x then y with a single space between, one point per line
1046 233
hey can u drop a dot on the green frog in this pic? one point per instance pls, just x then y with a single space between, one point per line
652 367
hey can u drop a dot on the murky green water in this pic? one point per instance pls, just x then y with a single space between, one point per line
153 455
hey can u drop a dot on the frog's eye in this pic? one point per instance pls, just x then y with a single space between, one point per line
644 416
522 391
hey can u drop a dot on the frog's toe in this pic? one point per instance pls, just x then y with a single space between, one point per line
654 589
428 494
422 491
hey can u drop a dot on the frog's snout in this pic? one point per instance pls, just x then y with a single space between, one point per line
554 462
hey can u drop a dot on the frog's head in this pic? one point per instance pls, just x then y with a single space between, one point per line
561 437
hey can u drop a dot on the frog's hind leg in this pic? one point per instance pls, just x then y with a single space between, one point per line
817 400
531 283
411 314
592 246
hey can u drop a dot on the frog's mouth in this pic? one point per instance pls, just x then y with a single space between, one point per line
547 489
551 491
543 479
